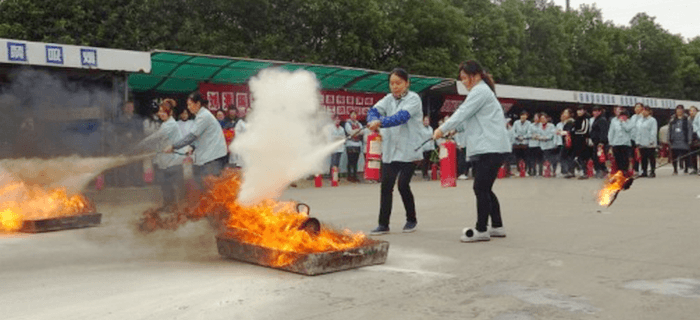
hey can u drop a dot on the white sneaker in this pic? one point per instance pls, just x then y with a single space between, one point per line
472 235
462 177
499 232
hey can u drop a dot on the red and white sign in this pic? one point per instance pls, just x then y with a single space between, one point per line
227 100
214 102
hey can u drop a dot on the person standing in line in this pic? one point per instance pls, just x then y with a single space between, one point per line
694 141
636 118
462 163
696 129
646 141
207 138
558 145
427 149
487 137
547 134
581 140
679 130
337 133
185 123
620 139
353 146
567 151
599 137
399 114
521 131
535 155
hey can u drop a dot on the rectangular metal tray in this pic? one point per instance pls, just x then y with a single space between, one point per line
62 223
372 253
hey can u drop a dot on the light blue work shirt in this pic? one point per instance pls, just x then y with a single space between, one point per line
533 133
646 132
169 132
521 132
547 136
210 143
427 133
636 119
399 142
482 116
620 133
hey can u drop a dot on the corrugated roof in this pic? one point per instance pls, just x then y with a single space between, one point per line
180 72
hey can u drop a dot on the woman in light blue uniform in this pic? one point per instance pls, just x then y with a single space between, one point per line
206 137
487 138
647 132
399 115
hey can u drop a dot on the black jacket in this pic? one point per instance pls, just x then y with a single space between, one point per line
599 130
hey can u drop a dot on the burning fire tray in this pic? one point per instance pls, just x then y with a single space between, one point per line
310 264
62 223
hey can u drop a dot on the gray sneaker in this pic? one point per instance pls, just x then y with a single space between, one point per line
379 230
410 227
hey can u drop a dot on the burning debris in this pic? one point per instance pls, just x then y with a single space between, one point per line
270 233
612 187
31 208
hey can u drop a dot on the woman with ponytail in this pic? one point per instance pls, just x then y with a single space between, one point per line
487 137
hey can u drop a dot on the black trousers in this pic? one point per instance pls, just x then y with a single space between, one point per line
211 168
353 156
648 157
425 164
677 153
485 172
566 159
622 157
403 171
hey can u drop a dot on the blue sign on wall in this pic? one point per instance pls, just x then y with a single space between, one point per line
88 57
16 51
54 54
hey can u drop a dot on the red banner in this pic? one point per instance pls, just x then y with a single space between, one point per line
340 103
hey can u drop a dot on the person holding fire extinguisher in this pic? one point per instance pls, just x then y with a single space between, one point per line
488 146
647 131
400 115
599 136
206 137
620 138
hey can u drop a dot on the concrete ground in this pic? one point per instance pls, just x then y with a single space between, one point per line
564 258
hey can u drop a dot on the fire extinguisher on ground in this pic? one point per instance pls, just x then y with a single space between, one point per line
373 157
448 164
334 177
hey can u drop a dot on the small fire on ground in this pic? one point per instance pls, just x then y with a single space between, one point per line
271 224
613 185
20 202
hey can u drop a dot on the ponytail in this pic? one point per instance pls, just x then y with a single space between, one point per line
472 67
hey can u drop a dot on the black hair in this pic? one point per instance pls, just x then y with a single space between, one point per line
524 112
472 67
597 108
401 73
680 106
197 97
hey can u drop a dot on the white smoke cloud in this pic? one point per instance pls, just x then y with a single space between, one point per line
287 134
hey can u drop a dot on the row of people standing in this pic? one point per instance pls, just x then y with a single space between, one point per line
353 131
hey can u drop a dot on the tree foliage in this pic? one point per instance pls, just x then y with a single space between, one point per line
521 42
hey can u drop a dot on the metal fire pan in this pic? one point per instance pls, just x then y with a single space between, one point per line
373 252
62 223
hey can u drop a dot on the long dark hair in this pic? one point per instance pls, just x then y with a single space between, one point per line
472 67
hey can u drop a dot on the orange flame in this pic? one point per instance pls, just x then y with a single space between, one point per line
270 224
20 202
613 185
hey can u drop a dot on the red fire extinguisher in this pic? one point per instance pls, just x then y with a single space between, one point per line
547 169
502 172
448 164
434 172
334 177
318 181
373 157
521 168
601 154
590 170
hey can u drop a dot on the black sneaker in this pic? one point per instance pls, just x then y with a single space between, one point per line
410 227
643 175
379 231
